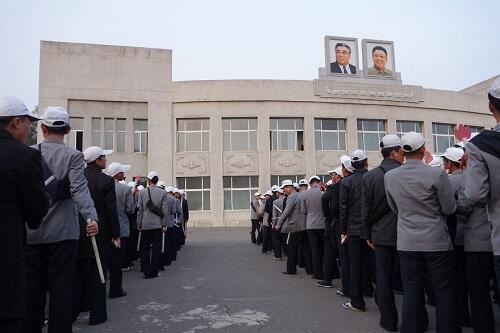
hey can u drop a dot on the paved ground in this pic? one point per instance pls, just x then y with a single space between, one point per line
222 283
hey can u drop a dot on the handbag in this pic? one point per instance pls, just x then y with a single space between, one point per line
152 207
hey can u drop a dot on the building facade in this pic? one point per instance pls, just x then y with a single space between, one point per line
222 141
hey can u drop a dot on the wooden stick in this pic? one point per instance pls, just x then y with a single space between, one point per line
97 257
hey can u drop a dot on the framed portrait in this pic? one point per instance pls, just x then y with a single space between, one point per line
378 59
342 57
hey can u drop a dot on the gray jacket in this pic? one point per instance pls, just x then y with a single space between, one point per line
173 209
422 197
277 207
125 206
292 219
146 220
254 209
457 181
482 183
61 222
311 207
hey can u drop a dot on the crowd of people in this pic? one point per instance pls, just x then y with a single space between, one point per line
416 225
70 222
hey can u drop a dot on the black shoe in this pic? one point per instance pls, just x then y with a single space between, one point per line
341 293
349 306
289 273
324 284
123 294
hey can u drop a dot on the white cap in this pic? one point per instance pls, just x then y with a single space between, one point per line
140 187
338 171
454 154
169 189
331 172
296 185
390 140
358 155
495 89
131 184
436 162
116 167
412 141
460 144
314 178
176 190
256 193
269 193
181 192
286 182
275 188
11 107
152 174
92 153
281 191
346 162
55 116
303 182
262 196
161 184
329 182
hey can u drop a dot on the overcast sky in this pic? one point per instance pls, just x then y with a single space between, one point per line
447 44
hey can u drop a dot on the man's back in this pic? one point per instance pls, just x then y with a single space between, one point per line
311 207
125 206
422 197
351 217
146 218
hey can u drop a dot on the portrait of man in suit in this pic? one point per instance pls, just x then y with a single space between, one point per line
342 59
379 58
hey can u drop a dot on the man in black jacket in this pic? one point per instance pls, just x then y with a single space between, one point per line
353 228
381 224
89 293
21 169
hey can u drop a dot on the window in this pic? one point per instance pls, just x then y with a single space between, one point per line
370 133
287 134
75 136
197 191
108 133
443 137
193 134
96 131
403 126
140 135
476 129
329 134
238 191
239 134
276 180
325 178
120 135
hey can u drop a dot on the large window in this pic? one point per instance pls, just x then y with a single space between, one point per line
443 137
238 191
370 133
193 134
403 126
476 129
329 134
239 134
276 180
197 191
74 138
287 134
114 133
140 135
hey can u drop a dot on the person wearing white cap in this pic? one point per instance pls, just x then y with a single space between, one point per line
102 190
278 204
173 209
303 185
422 197
267 238
151 222
125 206
184 209
347 167
180 234
353 230
381 224
292 221
52 249
310 206
254 218
21 204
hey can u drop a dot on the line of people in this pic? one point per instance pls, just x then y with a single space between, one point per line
413 226
69 219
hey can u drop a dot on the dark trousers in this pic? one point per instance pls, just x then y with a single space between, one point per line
386 258
479 271
170 249
459 279
50 267
305 253
357 253
316 239
151 252
11 325
255 230
369 271
266 239
293 248
330 267
115 268
276 234
89 294
345 269
131 252
497 270
438 266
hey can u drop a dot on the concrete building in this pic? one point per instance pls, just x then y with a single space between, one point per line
223 140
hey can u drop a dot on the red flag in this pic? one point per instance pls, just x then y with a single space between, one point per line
462 132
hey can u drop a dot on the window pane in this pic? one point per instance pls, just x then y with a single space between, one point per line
241 182
226 137
195 200
341 124
317 124
144 142
96 138
329 124
241 199
108 140
254 181
96 124
372 141
360 125
226 182
226 124
330 141
205 141
283 141
317 140
76 124
120 125
273 123
253 140
140 125
252 123
120 142
181 125
274 140
137 142
227 200
342 141
239 140
79 141
361 141
369 125
284 124
239 124
442 129
193 141
206 182
193 183
108 124
206 124
193 124
299 124
206 200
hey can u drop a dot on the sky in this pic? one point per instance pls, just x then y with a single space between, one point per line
447 44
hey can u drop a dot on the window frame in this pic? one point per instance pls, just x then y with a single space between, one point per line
184 132
231 189
337 131
202 190
140 134
299 134
229 132
362 132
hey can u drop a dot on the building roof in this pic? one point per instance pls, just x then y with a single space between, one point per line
480 88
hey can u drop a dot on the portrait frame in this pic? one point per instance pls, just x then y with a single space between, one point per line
330 42
367 46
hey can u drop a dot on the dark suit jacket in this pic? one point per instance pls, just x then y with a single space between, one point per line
23 200
102 190
335 68
185 210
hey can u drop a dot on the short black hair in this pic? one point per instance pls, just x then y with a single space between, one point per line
154 180
4 121
379 48
344 45
359 164
386 152
495 101
57 130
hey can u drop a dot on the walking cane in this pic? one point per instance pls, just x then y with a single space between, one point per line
139 241
97 257
287 238
163 243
